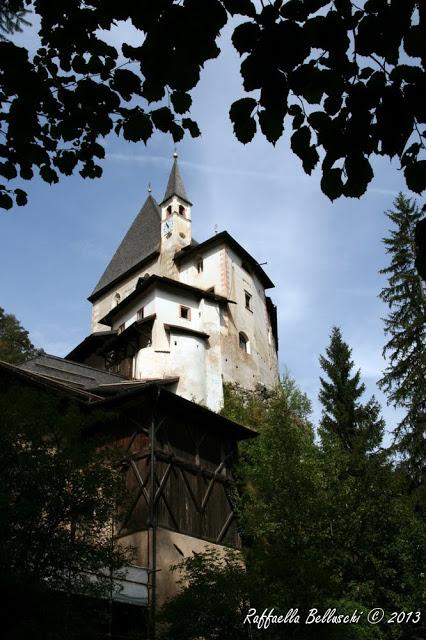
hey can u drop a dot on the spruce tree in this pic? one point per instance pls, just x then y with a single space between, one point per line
404 379
357 427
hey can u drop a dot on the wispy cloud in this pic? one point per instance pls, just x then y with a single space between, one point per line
163 161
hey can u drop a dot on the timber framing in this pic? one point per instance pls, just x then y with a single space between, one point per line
178 460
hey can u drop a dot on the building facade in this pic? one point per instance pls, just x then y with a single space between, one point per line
172 321
168 307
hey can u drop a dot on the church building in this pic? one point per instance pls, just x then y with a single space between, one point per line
173 320
194 315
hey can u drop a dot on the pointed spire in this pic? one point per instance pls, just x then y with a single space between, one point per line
175 186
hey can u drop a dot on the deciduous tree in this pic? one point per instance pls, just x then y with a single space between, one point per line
15 343
314 535
59 493
349 77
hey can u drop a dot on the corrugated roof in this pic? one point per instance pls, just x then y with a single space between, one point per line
141 240
175 186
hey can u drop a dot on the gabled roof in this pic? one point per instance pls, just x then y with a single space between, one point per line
225 238
141 242
45 382
90 345
175 186
164 283
166 403
148 395
67 372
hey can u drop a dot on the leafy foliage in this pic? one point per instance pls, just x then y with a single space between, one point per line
405 375
15 344
218 584
357 427
350 78
315 534
58 494
12 17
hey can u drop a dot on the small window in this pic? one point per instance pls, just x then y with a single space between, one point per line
245 266
185 312
200 265
117 299
244 343
247 297
121 328
169 210
181 210
141 313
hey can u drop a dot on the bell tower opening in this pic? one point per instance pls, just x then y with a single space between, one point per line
176 224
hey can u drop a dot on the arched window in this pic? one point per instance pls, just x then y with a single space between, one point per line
117 299
244 342
169 210
181 210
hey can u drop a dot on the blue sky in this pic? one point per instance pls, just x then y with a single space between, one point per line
323 257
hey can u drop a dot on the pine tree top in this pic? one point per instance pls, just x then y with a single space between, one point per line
357 427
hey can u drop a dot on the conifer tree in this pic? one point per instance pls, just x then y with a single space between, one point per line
357 427
404 379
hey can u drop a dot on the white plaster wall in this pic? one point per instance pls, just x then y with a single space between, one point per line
211 317
174 201
260 365
188 359
167 555
195 360
147 300
185 358
201 365
105 303
179 237
213 274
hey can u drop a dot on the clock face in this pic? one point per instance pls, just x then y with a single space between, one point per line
167 227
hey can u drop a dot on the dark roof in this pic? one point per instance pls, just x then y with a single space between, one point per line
119 340
141 242
90 345
168 283
272 311
226 238
45 382
68 372
176 328
175 186
175 405
116 387
156 395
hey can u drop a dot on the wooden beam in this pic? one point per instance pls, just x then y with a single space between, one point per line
225 527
